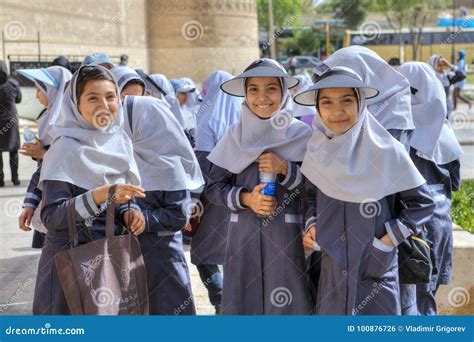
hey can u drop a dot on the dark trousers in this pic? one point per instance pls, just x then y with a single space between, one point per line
13 165
212 279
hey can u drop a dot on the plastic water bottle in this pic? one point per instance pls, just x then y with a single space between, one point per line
269 179
28 134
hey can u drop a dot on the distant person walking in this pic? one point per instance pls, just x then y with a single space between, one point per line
10 94
459 86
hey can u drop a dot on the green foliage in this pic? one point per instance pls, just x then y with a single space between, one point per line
353 12
306 42
285 12
462 210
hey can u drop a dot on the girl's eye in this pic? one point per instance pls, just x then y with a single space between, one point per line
92 98
325 103
111 97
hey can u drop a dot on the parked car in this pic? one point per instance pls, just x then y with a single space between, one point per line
302 62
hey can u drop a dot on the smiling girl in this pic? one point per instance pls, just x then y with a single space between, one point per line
354 167
264 269
90 152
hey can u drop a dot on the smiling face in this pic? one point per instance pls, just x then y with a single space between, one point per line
41 97
338 108
264 95
98 103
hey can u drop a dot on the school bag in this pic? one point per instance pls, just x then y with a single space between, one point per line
105 276
415 254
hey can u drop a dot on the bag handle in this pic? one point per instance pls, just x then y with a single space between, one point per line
110 216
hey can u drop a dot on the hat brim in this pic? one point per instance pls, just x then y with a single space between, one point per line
308 96
41 75
236 85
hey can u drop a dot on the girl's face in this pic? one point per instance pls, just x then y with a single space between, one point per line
264 95
98 103
338 108
182 97
41 97
133 89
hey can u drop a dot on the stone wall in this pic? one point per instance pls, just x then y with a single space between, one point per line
176 38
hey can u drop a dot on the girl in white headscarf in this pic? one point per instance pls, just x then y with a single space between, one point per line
264 255
50 84
168 95
90 151
436 153
218 112
391 108
304 113
354 166
169 172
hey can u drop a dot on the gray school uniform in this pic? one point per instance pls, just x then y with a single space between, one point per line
442 181
359 273
49 296
264 264
209 242
169 284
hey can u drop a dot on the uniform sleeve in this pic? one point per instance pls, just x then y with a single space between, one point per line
33 194
309 204
417 209
294 177
55 200
169 211
221 190
455 174
204 163
18 96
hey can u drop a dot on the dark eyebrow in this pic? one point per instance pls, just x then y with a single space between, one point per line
256 85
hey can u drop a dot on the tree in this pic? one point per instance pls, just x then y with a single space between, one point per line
411 13
306 42
284 12
353 12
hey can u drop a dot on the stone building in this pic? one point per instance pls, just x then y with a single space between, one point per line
174 37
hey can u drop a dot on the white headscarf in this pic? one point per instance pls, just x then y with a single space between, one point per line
171 99
245 141
299 110
164 156
217 113
392 106
433 137
47 120
86 156
123 75
363 164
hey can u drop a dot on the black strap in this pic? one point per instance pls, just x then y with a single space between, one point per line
148 79
130 100
110 217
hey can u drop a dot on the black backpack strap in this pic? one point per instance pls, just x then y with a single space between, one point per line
129 106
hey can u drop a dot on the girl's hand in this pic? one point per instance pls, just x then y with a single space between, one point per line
258 203
123 193
25 219
310 238
386 240
273 163
135 221
33 149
